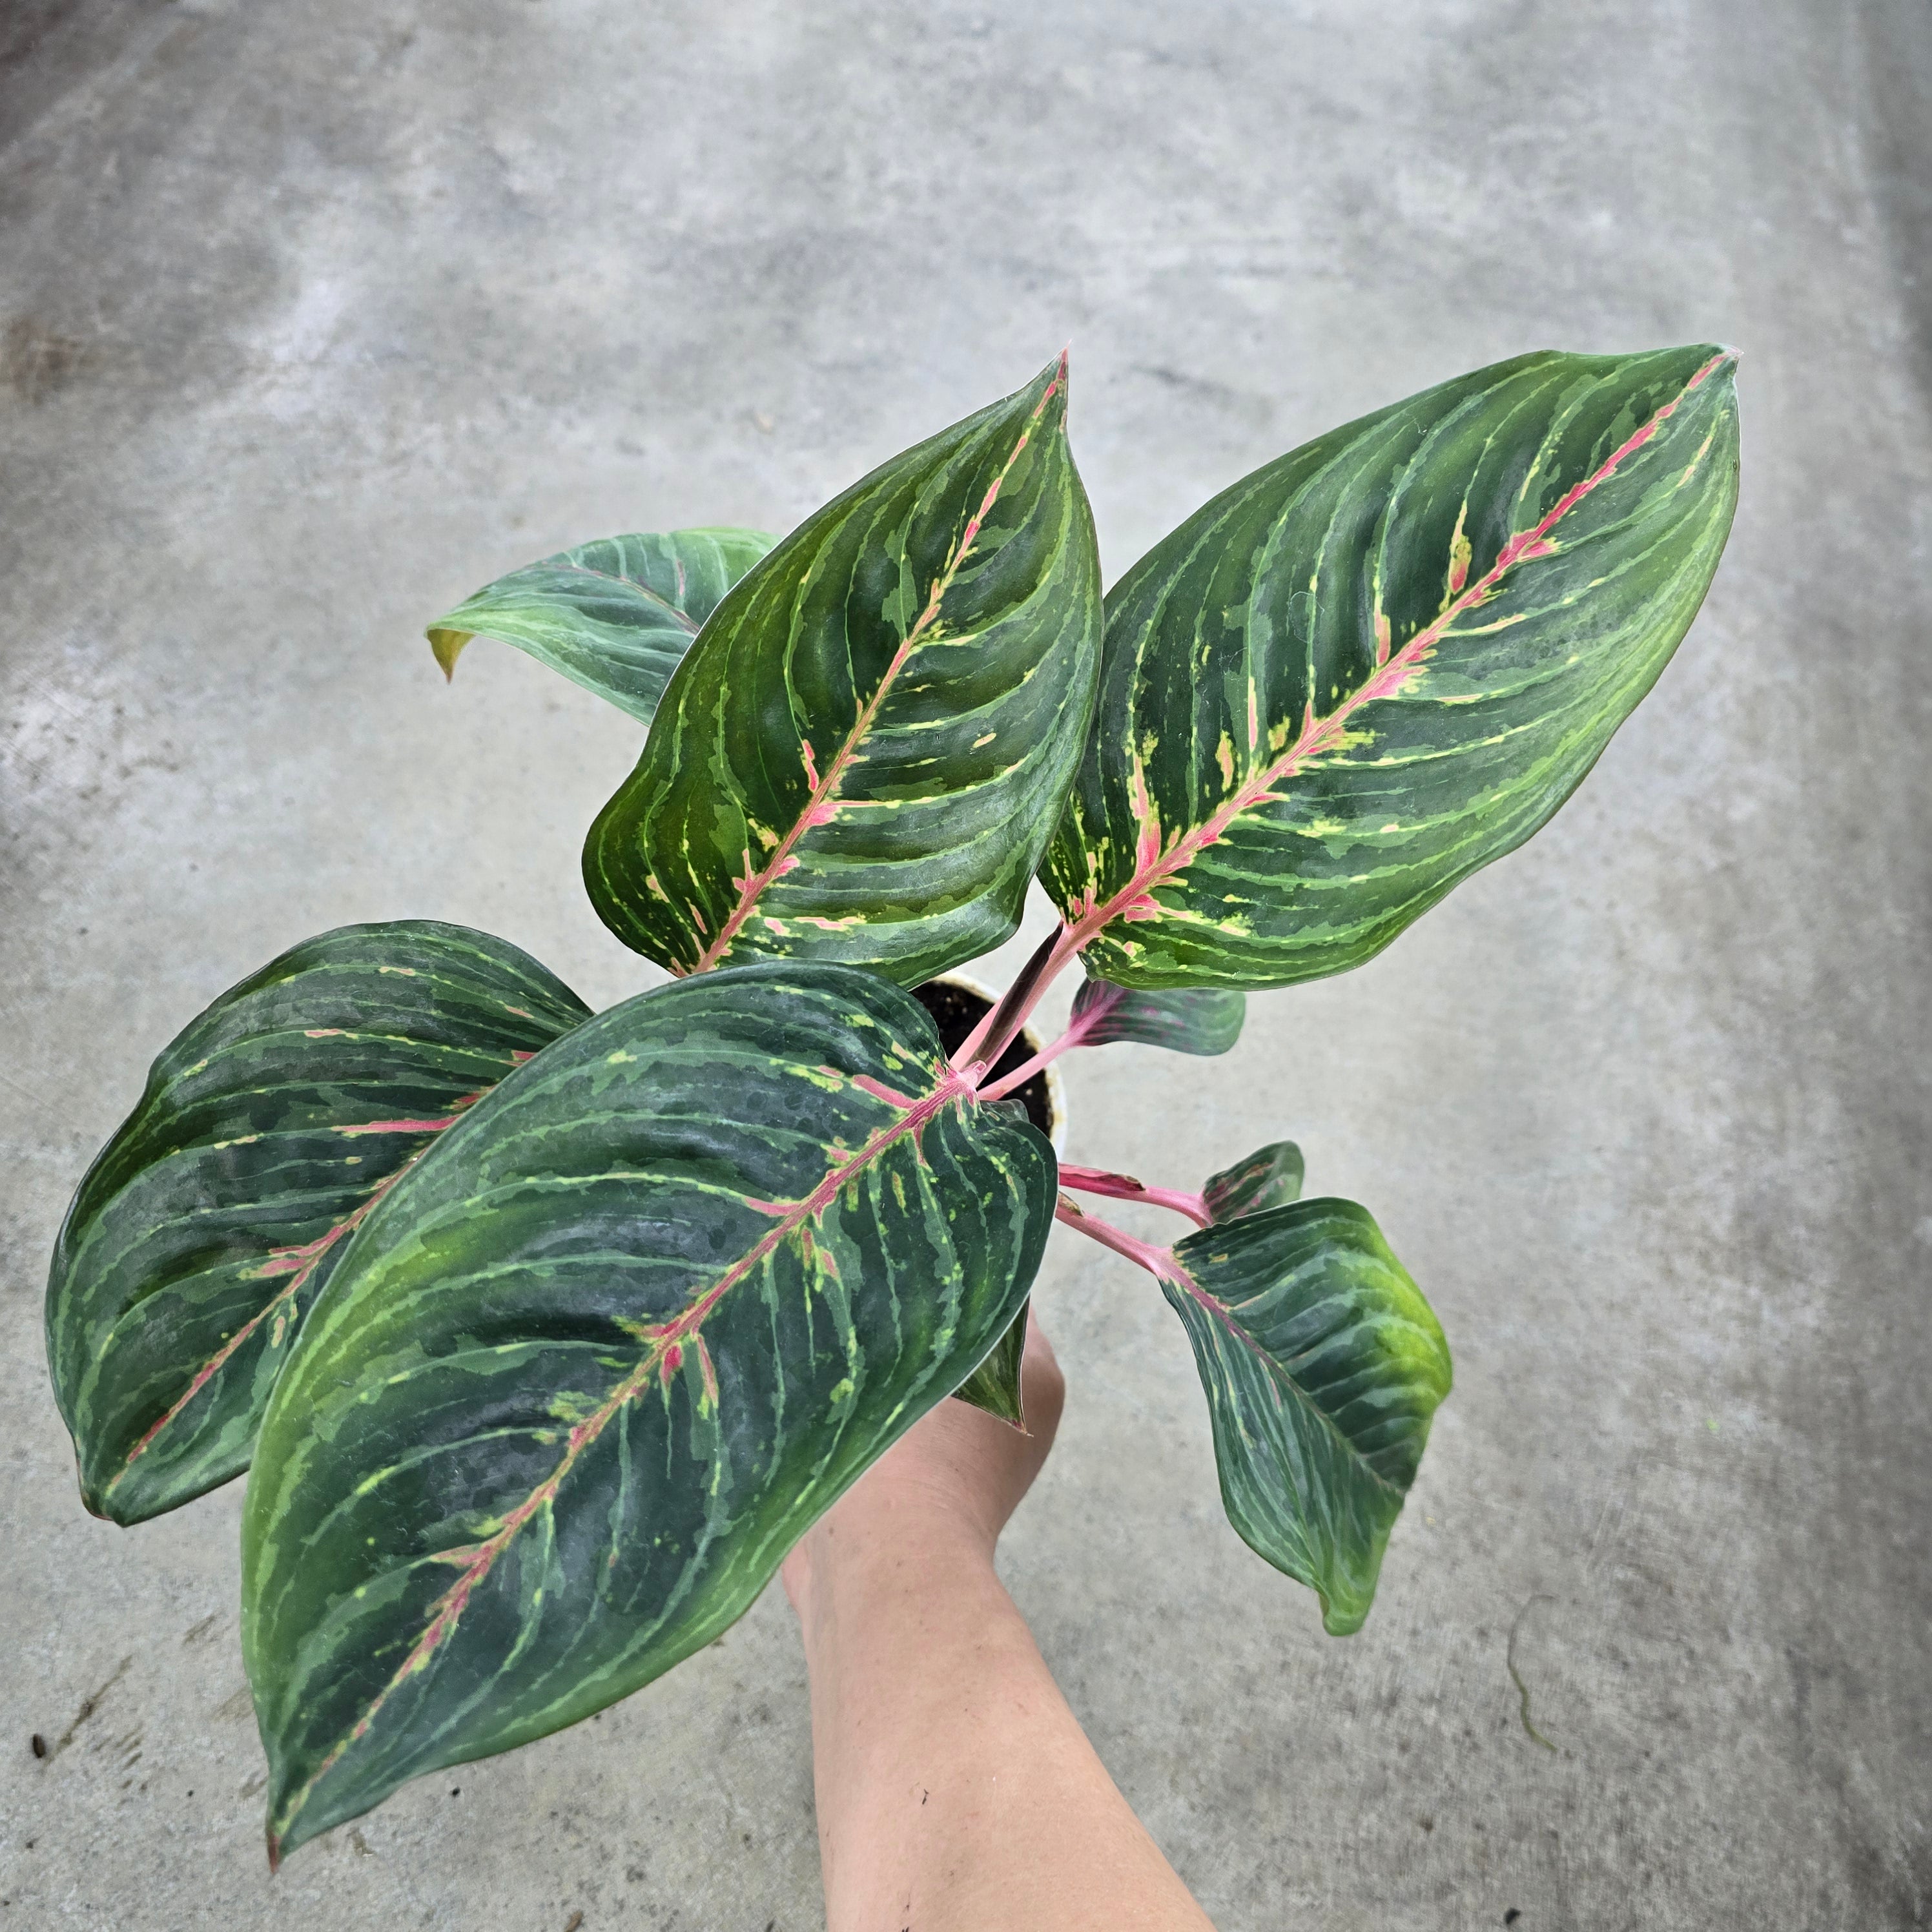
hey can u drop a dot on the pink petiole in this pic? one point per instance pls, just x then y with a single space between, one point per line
1158 1261
1125 1187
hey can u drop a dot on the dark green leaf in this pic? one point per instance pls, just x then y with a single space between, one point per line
1380 662
864 755
598 1360
994 1385
1270 1177
1205 1020
269 1128
615 617
1323 1365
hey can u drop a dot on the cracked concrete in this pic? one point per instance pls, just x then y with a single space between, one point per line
313 319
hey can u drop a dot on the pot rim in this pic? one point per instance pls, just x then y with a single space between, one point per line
1056 1088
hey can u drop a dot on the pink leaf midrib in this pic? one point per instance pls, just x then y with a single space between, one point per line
817 804
665 1343
1155 867
301 1262
1164 1265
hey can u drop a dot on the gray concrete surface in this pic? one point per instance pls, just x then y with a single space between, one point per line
312 318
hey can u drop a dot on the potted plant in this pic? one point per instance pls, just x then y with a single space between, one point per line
543 1335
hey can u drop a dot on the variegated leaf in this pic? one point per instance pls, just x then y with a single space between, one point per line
615 617
269 1128
994 1385
863 756
1204 1020
1270 1177
1323 1365
1376 664
596 1362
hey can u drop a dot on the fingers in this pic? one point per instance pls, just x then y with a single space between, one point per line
956 1465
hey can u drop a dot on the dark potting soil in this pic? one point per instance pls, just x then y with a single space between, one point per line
955 1013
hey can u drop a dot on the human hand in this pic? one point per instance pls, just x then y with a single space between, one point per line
954 1787
948 1485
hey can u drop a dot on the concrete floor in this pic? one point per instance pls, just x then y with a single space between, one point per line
313 318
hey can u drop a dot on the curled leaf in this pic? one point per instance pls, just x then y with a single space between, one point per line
616 615
1204 1020
1271 1177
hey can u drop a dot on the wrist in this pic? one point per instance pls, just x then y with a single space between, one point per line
887 1553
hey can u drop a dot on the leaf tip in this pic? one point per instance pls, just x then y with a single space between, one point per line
448 645
1048 390
1343 1620
1720 360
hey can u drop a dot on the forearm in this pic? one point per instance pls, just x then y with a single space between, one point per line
956 1791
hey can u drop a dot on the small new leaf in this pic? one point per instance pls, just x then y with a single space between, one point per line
1204 1020
1271 1177
1322 1365
616 617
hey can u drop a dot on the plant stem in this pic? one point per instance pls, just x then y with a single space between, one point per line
1024 1072
1082 1024
988 1040
994 1034
1125 1187
1011 1082
1159 1262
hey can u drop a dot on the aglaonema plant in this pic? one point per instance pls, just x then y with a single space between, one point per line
543 1335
